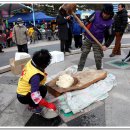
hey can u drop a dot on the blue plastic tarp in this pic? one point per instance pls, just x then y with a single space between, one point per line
29 17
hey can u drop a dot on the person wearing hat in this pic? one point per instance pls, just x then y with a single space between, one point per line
120 23
19 36
99 22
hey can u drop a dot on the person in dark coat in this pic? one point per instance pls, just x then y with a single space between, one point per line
109 35
120 21
63 29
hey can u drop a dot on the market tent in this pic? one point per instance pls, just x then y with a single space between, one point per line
6 10
43 16
29 17
21 15
11 7
79 12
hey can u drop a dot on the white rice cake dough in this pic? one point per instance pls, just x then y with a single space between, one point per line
65 81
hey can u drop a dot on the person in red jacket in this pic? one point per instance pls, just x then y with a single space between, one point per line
31 85
2 41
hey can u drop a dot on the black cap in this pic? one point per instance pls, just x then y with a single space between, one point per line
108 8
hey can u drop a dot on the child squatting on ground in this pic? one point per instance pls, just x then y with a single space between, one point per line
31 85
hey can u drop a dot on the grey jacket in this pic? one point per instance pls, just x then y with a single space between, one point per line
20 35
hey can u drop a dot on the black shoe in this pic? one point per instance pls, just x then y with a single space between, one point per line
127 59
112 55
68 51
128 56
123 59
1 51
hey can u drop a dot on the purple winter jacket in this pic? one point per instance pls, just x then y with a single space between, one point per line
98 27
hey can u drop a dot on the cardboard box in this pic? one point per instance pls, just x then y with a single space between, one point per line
17 66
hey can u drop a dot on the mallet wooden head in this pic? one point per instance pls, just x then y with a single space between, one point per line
69 8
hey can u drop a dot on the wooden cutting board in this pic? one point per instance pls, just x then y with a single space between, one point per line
82 80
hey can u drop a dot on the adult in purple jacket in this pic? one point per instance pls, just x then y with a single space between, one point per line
101 21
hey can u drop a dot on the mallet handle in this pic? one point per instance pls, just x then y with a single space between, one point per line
83 26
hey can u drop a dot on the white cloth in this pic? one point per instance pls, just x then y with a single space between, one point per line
76 101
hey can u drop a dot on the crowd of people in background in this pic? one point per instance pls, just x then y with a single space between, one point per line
43 31
65 28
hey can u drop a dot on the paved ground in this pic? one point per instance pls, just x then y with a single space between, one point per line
114 111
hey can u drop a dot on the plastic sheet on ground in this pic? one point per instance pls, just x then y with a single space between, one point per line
76 101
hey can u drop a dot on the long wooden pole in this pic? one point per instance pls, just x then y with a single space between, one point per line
83 26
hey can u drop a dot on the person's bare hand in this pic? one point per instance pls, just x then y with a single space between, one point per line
104 48
68 17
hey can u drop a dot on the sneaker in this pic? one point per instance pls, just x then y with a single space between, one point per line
67 53
126 59
1 51
70 47
36 110
112 55
123 59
